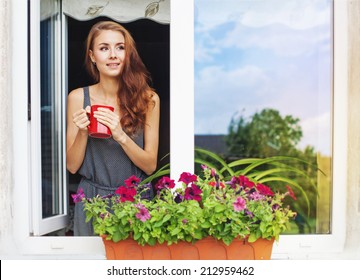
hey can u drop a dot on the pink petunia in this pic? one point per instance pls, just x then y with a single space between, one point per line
239 204
78 197
187 178
264 190
165 183
126 194
291 193
193 193
132 181
242 181
143 213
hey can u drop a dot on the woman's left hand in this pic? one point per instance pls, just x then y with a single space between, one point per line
112 121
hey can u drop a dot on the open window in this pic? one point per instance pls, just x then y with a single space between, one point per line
64 26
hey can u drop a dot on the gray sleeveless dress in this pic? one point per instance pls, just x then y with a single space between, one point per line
104 169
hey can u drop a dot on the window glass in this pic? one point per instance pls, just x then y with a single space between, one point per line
263 88
51 121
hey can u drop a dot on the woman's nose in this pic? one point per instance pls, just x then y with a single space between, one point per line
113 53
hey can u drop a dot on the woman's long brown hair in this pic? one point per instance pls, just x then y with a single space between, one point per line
134 91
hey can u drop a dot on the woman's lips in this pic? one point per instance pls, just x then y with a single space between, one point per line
113 65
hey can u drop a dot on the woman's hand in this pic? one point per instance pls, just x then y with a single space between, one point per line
80 118
112 121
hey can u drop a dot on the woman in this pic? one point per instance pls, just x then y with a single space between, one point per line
121 81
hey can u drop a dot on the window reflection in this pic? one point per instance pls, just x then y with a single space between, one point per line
263 87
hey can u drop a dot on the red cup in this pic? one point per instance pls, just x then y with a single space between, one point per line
96 129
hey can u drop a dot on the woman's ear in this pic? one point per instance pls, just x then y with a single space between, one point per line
91 55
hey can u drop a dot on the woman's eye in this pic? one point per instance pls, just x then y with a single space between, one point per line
121 47
103 48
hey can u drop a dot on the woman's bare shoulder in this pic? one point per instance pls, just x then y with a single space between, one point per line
76 99
76 94
154 97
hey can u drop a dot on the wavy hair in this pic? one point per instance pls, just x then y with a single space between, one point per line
134 91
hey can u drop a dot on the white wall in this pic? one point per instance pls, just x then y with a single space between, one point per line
353 180
6 182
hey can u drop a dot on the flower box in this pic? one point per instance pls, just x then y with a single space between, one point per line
206 249
206 217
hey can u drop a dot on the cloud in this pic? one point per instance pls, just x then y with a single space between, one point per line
279 39
317 131
222 93
296 14
256 54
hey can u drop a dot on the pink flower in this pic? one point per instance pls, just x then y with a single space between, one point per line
143 213
256 196
265 190
242 181
239 204
165 183
132 181
187 178
193 193
290 192
126 194
78 196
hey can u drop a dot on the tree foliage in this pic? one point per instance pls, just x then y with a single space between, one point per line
266 134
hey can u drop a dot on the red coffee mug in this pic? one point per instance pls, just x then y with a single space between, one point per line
96 129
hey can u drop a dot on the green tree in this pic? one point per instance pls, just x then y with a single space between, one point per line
266 134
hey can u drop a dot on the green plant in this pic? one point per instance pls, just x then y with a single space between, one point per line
275 169
199 206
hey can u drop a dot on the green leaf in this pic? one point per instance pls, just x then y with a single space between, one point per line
175 231
217 158
166 218
219 208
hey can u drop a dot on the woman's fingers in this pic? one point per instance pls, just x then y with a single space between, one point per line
107 117
81 119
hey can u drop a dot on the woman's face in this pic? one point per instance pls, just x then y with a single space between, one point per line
108 52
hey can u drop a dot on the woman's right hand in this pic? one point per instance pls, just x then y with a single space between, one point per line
80 118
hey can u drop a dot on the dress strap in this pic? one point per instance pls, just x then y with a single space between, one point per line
86 97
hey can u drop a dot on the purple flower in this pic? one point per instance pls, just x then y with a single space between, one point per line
256 196
249 213
143 213
193 193
239 204
178 198
78 196
184 221
203 167
275 207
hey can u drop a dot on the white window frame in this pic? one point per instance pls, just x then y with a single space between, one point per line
182 135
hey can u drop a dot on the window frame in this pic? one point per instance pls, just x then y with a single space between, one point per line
181 128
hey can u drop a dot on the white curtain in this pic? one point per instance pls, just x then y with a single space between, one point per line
119 10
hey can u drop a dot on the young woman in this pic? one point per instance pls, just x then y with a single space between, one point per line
121 81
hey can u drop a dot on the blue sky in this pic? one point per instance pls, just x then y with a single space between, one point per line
255 54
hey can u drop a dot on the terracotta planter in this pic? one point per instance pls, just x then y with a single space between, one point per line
205 249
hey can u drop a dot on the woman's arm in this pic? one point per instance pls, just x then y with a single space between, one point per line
77 132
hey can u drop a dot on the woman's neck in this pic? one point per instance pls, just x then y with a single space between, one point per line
106 91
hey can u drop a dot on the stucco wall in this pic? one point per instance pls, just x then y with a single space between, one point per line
5 131
353 187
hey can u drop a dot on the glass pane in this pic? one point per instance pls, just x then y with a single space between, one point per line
50 111
263 88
